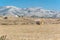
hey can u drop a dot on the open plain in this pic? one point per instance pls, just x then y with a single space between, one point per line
27 29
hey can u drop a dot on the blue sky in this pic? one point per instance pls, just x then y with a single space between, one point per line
47 4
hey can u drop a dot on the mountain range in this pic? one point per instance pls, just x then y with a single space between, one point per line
31 12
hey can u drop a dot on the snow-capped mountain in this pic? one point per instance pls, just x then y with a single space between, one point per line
31 12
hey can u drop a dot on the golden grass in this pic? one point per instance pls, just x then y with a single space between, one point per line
31 32
27 29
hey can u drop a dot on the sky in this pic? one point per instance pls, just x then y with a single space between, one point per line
46 4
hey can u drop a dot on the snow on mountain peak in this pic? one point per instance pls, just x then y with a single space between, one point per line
9 6
34 12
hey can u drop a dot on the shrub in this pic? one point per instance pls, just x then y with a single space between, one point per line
3 37
5 17
37 22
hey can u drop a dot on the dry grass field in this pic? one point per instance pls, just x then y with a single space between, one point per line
27 29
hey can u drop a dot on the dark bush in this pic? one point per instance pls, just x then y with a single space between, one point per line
38 22
5 17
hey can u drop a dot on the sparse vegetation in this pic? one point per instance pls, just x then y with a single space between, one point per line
27 21
3 37
4 24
